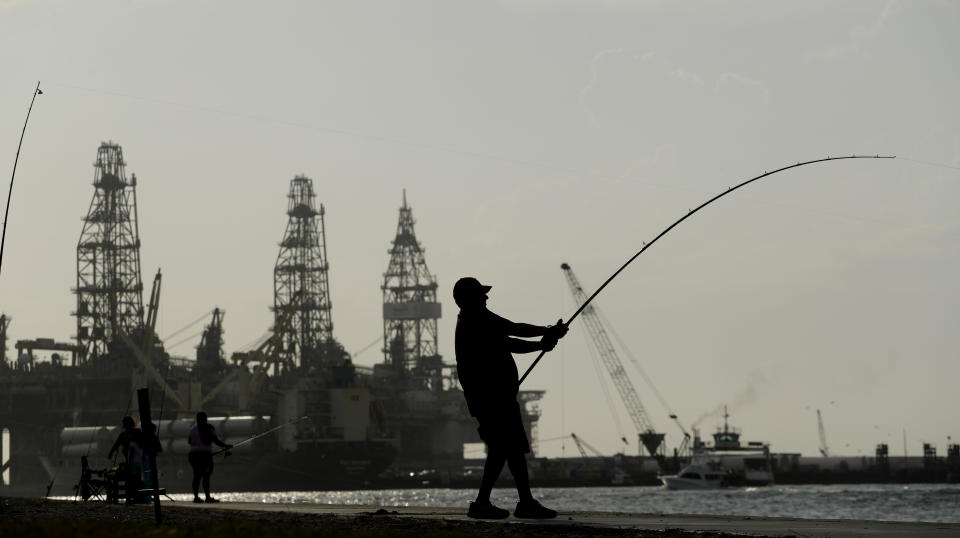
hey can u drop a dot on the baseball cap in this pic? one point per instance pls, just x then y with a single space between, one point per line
468 287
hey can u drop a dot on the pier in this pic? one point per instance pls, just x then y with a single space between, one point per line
184 519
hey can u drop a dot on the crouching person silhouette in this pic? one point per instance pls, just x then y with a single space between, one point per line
490 383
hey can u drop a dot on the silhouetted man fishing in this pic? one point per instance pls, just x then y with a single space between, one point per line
202 438
490 383
130 443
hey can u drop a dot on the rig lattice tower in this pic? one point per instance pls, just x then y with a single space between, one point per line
301 284
410 307
210 356
109 288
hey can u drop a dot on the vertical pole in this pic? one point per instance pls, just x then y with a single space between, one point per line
5 456
149 433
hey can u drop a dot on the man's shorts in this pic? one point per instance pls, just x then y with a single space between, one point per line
501 428
201 461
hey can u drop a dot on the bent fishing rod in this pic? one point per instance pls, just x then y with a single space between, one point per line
685 217
3 238
259 435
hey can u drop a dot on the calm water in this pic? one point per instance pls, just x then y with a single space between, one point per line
915 502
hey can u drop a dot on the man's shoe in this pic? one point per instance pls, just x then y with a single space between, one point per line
197 500
486 510
533 510
211 500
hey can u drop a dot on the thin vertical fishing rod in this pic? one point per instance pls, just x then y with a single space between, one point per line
685 217
3 239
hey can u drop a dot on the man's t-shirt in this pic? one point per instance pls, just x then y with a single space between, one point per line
201 441
485 367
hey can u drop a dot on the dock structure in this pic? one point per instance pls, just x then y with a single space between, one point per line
109 286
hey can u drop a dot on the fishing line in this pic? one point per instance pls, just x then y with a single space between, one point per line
563 379
343 132
601 378
257 342
574 172
571 172
187 326
552 439
941 165
185 340
163 397
368 346
259 435
633 360
685 217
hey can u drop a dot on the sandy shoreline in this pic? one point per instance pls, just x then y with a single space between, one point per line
36 517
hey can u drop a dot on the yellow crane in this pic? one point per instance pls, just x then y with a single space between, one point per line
649 438
266 355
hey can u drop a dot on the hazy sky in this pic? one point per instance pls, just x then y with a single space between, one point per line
530 133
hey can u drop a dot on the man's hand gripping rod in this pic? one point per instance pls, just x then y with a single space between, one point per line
685 217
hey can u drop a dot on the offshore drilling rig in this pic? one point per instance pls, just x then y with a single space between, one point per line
406 411
301 288
411 400
419 393
429 422
411 310
109 288
44 398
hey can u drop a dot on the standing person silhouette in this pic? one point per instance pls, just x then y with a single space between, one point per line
201 439
490 383
130 443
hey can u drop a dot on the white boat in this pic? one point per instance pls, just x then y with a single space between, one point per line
695 476
725 463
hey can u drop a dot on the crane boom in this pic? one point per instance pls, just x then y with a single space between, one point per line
824 451
608 355
685 444
583 446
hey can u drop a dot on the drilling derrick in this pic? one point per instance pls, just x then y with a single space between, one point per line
109 288
210 357
410 308
301 285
